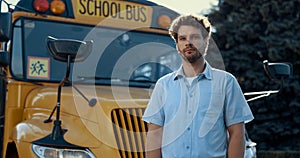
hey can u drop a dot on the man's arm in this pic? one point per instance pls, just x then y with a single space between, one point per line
236 148
153 142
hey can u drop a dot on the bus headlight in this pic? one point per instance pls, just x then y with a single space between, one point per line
49 152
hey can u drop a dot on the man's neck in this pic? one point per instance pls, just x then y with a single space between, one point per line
193 69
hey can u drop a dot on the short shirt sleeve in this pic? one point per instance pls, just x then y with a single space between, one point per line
236 107
154 112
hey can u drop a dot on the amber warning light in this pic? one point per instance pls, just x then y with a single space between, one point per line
164 21
57 7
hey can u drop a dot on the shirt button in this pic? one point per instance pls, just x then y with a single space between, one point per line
187 147
191 95
190 111
188 128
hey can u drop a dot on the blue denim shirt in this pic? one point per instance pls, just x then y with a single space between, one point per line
195 117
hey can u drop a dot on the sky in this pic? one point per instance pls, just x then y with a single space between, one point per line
182 6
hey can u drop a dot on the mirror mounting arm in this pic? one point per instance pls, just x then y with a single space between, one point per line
56 137
68 69
57 132
61 84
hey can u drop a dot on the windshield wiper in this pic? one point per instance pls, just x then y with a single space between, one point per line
142 81
85 78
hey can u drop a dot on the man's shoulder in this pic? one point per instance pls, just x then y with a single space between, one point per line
168 77
223 76
219 72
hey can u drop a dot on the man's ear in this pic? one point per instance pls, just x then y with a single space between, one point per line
206 45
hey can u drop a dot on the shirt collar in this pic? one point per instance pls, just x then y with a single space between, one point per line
205 74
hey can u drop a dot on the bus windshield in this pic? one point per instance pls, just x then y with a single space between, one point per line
118 55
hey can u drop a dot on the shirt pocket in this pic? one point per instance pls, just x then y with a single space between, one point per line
213 114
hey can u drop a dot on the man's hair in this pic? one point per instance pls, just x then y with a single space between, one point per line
192 20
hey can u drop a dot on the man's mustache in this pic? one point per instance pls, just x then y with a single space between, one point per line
190 47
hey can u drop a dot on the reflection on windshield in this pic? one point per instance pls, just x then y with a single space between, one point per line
119 54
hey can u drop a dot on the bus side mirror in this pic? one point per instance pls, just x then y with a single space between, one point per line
65 50
4 58
5 26
278 71
61 49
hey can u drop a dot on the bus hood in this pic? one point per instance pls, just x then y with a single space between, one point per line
108 98
87 125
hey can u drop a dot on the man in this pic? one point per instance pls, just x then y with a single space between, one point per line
196 111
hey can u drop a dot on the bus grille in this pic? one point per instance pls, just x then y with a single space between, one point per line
130 132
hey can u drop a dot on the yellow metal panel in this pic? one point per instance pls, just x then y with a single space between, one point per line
122 13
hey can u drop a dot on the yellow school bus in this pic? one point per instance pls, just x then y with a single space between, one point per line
76 76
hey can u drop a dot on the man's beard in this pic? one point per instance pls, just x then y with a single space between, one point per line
191 58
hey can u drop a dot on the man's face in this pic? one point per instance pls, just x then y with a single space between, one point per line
190 44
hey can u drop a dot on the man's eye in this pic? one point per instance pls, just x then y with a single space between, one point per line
182 38
196 37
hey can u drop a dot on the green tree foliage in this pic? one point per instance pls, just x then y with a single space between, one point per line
248 32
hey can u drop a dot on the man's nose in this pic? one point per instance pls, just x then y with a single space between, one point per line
189 44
